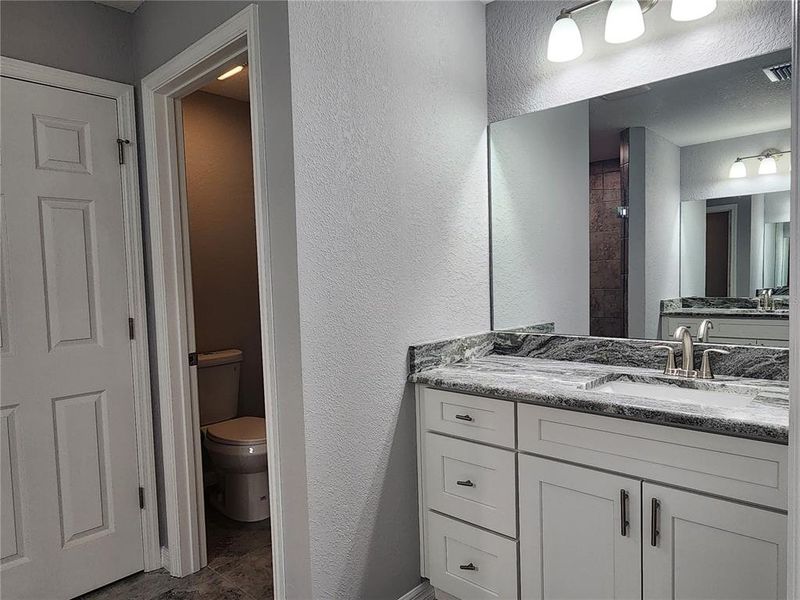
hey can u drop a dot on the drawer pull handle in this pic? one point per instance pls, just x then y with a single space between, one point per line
655 508
465 483
623 517
464 417
469 567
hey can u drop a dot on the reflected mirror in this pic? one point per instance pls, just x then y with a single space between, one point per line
628 214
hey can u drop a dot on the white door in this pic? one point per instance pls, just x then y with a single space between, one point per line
579 532
701 548
70 510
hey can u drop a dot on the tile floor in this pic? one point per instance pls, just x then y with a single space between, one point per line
239 568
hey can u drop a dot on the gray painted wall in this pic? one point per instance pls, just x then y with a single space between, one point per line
522 80
389 105
540 219
83 37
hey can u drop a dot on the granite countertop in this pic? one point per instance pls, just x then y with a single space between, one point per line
710 311
563 384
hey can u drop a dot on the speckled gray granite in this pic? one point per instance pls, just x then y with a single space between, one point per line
701 306
444 352
763 413
742 361
750 313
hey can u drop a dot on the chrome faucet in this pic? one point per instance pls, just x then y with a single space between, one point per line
702 332
687 369
683 336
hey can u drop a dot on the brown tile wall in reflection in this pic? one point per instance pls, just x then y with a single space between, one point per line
606 306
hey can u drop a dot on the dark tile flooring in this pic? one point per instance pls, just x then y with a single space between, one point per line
239 568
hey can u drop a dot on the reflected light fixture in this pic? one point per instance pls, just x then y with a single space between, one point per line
691 10
624 22
235 70
738 169
565 42
767 165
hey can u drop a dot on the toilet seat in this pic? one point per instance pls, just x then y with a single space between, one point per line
241 431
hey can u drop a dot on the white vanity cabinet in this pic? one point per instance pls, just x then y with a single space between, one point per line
520 501
750 331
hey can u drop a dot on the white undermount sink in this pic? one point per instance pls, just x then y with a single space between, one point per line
675 393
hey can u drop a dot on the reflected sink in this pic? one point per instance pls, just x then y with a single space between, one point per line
674 393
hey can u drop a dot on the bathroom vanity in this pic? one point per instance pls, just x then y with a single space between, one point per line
543 478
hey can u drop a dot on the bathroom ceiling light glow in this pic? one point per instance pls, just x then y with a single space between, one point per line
691 10
768 166
738 169
234 71
624 21
565 41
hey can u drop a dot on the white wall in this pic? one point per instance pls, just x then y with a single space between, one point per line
693 248
521 79
389 109
540 219
663 216
705 167
776 207
654 230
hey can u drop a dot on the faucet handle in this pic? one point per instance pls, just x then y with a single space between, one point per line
670 357
705 366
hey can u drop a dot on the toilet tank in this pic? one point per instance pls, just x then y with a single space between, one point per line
218 385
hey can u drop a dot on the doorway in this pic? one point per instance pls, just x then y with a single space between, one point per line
224 326
718 228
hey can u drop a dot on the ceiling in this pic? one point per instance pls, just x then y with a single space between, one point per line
724 102
236 87
126 5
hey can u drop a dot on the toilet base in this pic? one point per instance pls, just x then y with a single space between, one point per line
242 496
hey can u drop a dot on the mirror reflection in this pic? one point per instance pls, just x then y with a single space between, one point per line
628 214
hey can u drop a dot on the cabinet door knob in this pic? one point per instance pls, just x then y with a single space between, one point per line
465 483
464 417
469 567
623 510
655 509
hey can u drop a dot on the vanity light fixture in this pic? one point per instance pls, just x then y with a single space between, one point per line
624 23
768 163
691 10
234 71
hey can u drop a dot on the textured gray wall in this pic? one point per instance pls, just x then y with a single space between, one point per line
83 37
390 147
521 79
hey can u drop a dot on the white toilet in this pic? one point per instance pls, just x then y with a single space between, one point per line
237 446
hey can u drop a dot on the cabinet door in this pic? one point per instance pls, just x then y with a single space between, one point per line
702 547
573 543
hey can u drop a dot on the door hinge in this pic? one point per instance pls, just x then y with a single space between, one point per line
192 359
141 497
121 149
130 328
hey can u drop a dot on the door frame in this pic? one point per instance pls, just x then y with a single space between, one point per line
123 95
179 418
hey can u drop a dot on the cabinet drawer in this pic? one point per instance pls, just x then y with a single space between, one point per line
735 468
470 481
472 417
468 562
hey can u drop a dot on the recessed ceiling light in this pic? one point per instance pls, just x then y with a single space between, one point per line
232 72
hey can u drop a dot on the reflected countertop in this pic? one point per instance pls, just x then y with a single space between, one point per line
750 313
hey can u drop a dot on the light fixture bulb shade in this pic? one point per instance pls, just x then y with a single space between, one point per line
565 41
738 170
768 166
691 10
624 21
